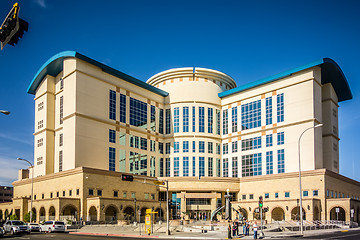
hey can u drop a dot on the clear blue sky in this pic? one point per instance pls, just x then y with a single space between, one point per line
247 40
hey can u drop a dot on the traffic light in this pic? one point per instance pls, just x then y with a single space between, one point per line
13 27
261 204
128 178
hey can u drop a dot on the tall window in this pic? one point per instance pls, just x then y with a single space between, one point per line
257 164
112 105
251 165
122 108
217 122
176 120
269 140
201 166
185 146
234 117
281 161
251 115
60 161
210 120
176 147
225 167
61 139
225 121
176 166
161 168
218 167
234 146
280 107
269 162
225 148
218 148
193 119
111 159
194 146
61 109
280 138
167 148
143 143
201 146
185 166
194 166
167 167
201 119
185 119
112 136
235 167
161 148
153 118
168 121
161 121
210 147
210 166
138 113
268 102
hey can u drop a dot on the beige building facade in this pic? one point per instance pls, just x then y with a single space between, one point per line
195 128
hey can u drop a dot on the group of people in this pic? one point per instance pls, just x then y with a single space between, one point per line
245 224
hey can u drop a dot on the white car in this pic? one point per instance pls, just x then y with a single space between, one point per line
52 226
15 227
34 227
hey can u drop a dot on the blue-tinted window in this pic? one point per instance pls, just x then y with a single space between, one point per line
225 148
235 167
194 166
176 120
210 120
225 121
234 119
167 148
217 122
225 167
176 166
268 110
168 121
185 166
257 164
281 161
143 143
138 113
251 143
176 147
316 193
194 146
251 115
267 195
111 159
185 146
185 119
122 108
287 194
269 140
112 136
161 170
161 121
251 165
280 107
112 105
305 193
201 119
269 163
201 146
201 166
161 148
234 147
167 167
276 195
193 119
280 138
152 118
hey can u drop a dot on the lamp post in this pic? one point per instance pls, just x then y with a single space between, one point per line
135 209
301 212
32 185
4 112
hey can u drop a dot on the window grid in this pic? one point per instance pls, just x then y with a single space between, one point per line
201 119
161 168
269 162
168 121
185 146
138 113
251 165
194 166
176 166
234 147
193 119
234 121
225 167
161 121
111 159
122 108
112 105
280 138
225 121
217 122
167 167
60 161
201 146
176 120
251 143
61 109
210 147
269 140
153 118
281 161
112 136
194 146
225 148
251 115
210 120
176 147
185 119
218 167
268 102
185 166
280 107
210 166
201 166
234 167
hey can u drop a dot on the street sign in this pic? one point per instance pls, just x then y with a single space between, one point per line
148 224
159 182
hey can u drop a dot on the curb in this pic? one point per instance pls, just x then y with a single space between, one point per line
112 235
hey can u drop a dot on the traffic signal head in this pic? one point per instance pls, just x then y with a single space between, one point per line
128 178
261 204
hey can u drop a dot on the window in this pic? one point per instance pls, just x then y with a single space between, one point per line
185 146
161 167
61 139
176 147
251 143
218 148
201 166
287 194
267 195
40 106
112 105
225 121
217 122
61 109
152 196
61 83
251 165
210 166
193 119
218 167
167 167
269 162
42 196
194 146
305 193
77 191
152 146
60 161
280 138
39 161
51 195
251 196
327 193
194 166
133 195
268 102
176 120
168 121
138 113
161 121
116 193
281 161
143 143
146 196
63 193
210 120
176 166
112 136
244 197
185 119
225 167
234 147
201 146
316 193
58 194
225 148
122 108
153 118
40 142
234 122
201 119
210 147
161 148
280 107
185 166
269 140
40 124
251 115
276 195
167 148
111 159
235 167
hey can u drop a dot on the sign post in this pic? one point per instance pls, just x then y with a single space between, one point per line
337 213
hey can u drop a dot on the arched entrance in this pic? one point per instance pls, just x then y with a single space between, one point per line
256 215
93 214
42 214
159 215
111 213
277 214
143 213
129 213
34 212
337 213
316 213
52 213
69 213
295 214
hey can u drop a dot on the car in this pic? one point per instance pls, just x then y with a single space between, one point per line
52 226
2 232
34 227
15 227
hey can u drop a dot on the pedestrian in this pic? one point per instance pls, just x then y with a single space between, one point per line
229 230
237 226
244 227
255 229
234 229
247 228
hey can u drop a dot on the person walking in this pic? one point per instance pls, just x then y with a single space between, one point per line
229 230
255 229
247 226
234 229
244 227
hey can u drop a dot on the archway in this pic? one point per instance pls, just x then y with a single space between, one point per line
316 213
111 213
93 214
34 212
159 215
256 215
143 213
129 213
52 213
337 213
69 213
278 214
42 214
295 214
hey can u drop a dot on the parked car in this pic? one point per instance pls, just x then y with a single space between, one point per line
2 232
34 227
52 226
15 227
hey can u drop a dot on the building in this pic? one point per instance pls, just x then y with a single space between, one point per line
6 193
196 128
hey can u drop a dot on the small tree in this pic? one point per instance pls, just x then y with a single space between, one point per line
27 217
14 217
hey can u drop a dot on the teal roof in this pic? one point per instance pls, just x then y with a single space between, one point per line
330 73
54 66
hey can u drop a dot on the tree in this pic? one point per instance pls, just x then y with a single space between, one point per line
14 217
27 217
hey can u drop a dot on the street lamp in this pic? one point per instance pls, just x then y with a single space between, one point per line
301 212
32 185
5 112
135 209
